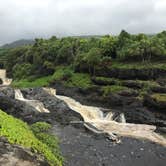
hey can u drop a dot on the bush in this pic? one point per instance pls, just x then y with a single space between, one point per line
62 74
40 127
22 71
40 130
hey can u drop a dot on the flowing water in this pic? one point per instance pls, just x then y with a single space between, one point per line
34 103
106 124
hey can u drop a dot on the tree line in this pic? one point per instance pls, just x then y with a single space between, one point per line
83 54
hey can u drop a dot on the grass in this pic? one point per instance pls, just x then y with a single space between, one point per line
159 97
18 132
113 89
63 74
26 83
79 80
108 81
71 79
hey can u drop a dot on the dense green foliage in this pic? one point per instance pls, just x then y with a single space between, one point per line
18 132
64 75
41 131
29 82
83 54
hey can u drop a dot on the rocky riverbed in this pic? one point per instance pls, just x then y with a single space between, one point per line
80 146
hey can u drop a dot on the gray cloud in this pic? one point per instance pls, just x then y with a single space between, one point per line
43 18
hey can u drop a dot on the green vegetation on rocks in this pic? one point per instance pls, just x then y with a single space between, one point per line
62 74
159 97
18 132
38 82
113 89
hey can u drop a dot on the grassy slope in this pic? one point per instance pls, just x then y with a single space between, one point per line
18 132
63 74
70 79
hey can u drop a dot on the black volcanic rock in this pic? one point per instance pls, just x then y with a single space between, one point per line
59 111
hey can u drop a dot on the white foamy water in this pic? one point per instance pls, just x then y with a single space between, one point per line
34 103
106 124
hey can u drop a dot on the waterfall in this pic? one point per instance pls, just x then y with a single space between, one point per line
105 124
6 81
34 103
18 95
122 118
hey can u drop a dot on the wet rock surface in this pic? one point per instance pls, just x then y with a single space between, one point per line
13 155
79 147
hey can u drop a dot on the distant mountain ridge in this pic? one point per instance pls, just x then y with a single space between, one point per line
18 43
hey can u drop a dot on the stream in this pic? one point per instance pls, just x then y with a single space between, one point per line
89 143
96 121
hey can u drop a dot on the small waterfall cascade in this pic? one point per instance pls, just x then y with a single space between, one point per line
18 95
34 103
6 81
106 124
122 118
50 91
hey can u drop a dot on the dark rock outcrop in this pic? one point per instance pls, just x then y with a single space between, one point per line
132 84
158 89
59 111
154 102
102 82
142 74
18 109
18 156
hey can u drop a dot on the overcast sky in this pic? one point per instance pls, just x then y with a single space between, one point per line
43 18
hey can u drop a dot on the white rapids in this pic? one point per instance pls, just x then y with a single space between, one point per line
34 103
106 124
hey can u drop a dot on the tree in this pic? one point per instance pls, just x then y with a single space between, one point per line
93 59
108 46
65 54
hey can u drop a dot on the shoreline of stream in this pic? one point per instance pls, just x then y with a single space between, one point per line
80 146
